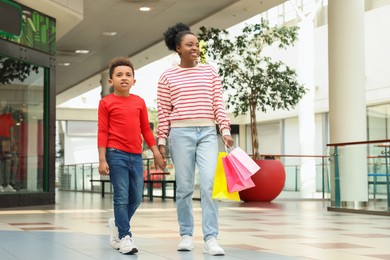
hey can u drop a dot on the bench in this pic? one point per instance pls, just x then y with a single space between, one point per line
103 182
149 181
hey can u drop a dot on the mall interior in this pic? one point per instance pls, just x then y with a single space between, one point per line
329 201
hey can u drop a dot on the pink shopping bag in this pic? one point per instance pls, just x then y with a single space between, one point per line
220 190
235 182
245 165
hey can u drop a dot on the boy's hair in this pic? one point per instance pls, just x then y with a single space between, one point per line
120 61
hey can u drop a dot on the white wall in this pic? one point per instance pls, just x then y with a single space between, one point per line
80 140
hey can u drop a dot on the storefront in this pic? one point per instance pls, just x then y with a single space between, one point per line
27 106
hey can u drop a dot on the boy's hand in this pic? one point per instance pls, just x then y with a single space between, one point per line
160 161
104 169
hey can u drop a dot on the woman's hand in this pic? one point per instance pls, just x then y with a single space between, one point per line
160 161
163 150
228 140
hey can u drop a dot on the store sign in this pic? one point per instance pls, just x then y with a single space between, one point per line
10 19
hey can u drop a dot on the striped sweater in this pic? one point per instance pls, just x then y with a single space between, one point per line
190 97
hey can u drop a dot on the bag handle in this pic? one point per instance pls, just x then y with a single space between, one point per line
228 148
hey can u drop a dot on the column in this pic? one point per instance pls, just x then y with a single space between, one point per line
104 83
347 106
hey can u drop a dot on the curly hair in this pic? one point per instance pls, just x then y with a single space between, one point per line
174 34
120 61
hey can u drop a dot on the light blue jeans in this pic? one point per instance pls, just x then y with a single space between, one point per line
126 177
190 147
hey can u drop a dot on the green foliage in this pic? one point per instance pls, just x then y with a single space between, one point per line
11 70
251 78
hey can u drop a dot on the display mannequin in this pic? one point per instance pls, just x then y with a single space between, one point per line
8 159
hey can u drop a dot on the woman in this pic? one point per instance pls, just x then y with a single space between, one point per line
189 101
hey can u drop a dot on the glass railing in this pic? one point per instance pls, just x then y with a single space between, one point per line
77 177
351 174
293 168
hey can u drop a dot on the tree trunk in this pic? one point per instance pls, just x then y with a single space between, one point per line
254 137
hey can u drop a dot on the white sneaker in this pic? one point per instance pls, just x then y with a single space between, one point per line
127 246
1 188
114 239
212 248
9 188
185 243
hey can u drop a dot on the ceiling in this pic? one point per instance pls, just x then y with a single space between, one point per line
139 34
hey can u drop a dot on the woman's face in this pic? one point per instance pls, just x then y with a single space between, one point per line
188 49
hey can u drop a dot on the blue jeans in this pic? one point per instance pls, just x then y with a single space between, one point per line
190 147
126 177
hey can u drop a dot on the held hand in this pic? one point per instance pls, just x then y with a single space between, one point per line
160 161
228 140
162 150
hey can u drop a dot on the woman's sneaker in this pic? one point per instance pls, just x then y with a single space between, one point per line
211 247
127 246
185 243
114 239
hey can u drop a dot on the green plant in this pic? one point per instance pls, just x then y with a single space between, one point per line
253 81
11 70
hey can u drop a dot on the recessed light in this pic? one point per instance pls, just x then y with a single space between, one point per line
65 64
144 9
109 33
82 51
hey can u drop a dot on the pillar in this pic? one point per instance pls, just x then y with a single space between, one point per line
347 106
104 83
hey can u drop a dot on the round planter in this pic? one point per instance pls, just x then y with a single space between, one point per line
269 182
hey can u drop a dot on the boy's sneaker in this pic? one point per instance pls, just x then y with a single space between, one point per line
212 248
9 188
127 246
114 239
185 243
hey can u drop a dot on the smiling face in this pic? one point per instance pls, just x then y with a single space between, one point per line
188 50
122 80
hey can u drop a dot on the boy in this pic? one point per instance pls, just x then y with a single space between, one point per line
122 119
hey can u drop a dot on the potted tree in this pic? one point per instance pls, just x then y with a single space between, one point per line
255 82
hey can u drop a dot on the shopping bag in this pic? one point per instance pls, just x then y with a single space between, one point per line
235 181
245 165
220 190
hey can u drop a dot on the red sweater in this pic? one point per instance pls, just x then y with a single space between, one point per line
7 122
122 121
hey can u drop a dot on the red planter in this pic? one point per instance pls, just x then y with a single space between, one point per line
269 182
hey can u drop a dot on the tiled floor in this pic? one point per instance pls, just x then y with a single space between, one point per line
76 228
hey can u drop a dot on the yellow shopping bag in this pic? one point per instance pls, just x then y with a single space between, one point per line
220 190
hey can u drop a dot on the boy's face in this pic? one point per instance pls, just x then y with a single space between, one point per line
122 80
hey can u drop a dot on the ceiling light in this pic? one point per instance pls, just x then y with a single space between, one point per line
65 64
144 9
82 51
109 33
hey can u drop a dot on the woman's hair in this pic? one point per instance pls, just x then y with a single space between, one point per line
120 61
174 35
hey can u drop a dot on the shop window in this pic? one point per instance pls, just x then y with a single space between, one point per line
21 126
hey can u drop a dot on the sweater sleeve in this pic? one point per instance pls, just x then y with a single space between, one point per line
164 107
102 125
219 109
